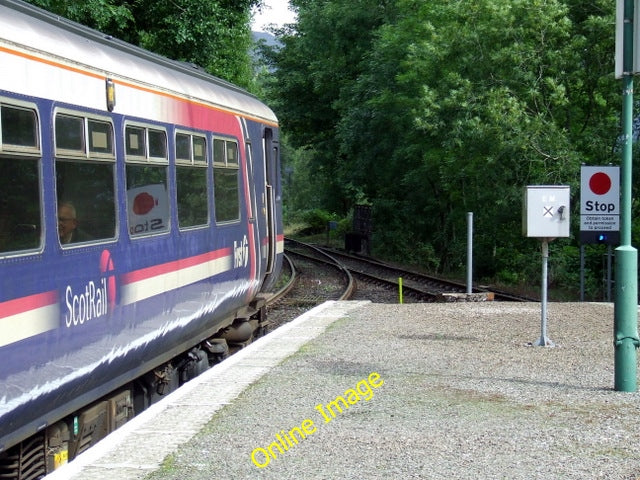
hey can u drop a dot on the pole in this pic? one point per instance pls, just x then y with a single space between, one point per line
543 341
626 310
469 252
582 272
609 257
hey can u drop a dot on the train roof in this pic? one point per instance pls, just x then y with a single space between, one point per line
37 30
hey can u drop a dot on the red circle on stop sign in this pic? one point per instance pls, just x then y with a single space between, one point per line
600 183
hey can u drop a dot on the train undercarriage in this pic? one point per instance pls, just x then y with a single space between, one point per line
55 445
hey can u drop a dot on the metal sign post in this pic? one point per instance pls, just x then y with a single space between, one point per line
546 216
626 310
544 341
469 252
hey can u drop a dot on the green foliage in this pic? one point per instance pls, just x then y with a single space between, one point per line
213 34
429 110
299 182
107 16
316 220
315 72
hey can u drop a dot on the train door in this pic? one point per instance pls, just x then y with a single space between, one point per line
270 158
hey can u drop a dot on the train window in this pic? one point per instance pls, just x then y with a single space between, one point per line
191 180
85 178
157 144
86 201
226 183
138 138
20 182
19 126
147 185
199 149
69 133
191 149
192 196
19 204
232 154
219 156
147 199
135 141
82 136
183 147
100 137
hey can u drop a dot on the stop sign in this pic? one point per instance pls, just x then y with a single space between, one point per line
600 190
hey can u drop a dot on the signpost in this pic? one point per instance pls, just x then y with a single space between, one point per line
626 303
545 216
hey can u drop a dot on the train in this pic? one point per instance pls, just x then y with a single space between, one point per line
140 231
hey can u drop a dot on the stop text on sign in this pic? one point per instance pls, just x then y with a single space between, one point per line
599 207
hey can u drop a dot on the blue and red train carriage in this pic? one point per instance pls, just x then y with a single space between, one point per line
165 182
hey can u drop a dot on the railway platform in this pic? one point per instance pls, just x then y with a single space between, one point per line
362 390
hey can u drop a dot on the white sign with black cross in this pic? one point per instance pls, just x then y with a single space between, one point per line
545 216
546 211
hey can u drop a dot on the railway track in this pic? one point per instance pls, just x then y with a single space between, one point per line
416 286
310 277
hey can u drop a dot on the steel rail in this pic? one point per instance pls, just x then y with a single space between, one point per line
327 259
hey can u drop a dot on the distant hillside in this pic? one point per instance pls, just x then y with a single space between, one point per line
268 38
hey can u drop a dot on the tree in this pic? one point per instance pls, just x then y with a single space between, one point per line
320 58
486 79
432 109
212 34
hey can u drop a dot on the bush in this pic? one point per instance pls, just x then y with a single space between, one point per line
316 221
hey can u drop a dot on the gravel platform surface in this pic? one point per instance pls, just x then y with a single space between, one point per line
460 395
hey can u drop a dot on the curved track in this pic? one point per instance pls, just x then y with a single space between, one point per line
314 278
416 286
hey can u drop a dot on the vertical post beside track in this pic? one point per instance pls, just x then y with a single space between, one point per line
469 252
544 341
626 302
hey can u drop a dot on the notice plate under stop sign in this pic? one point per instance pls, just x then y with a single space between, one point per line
546 211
